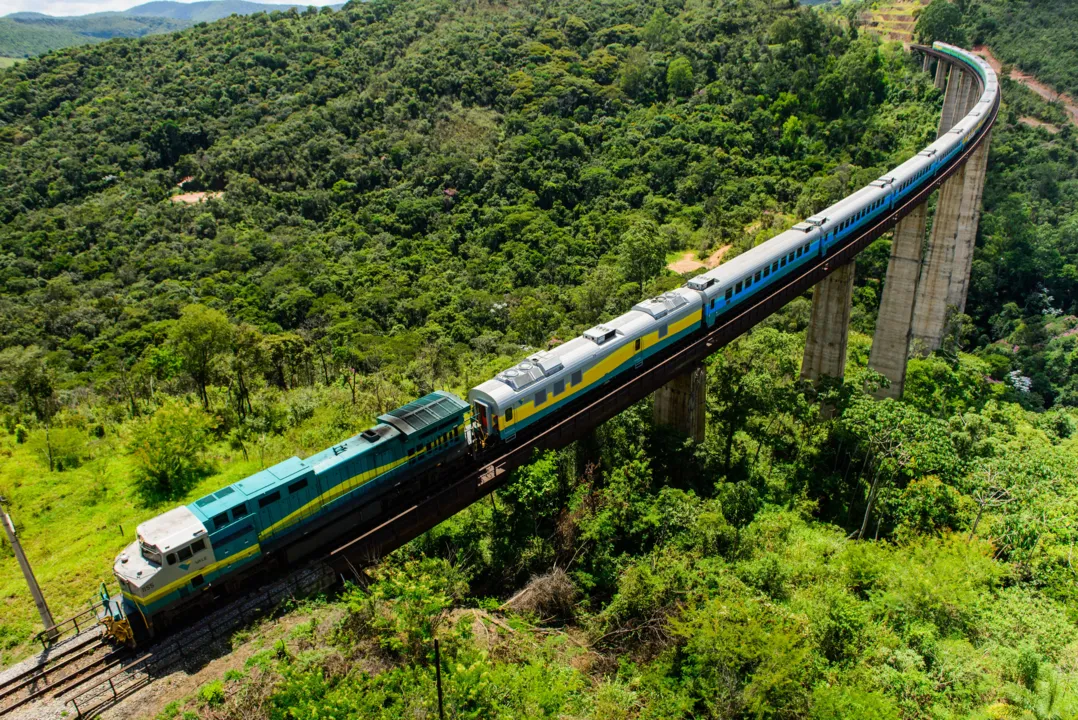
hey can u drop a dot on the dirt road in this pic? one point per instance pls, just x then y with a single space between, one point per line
1033 84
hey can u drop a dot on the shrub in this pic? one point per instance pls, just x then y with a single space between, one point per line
168 450
837 702
1028 667
66 447
405 604
212 694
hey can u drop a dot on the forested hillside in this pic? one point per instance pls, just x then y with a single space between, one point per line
1037 37
408 195
26 34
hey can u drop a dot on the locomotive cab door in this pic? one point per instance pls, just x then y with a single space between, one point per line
481 411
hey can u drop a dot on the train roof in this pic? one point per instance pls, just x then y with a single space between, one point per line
250 487
411 418
417 416
172 529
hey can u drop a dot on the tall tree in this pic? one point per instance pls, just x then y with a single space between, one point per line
26 373
643 251
200 336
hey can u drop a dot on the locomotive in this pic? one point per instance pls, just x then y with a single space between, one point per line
281 514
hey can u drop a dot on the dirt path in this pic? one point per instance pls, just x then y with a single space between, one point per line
688 261
195 197
1034 122
1032 83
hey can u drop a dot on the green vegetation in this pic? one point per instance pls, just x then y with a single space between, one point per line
23 40
417 193
1037 37
6 62
940 20
27 34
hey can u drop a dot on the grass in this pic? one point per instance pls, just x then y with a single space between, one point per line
70 522
6 62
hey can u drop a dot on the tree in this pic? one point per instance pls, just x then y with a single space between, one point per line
248 359
636 73
643 251
26 373
168 451
661 30
679 79
199 336
990 489
755 375
941 20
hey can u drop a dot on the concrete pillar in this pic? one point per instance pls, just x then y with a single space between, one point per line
925 63
934 285
829 328
891 343
968 218
953 100
682 404
941 74
970 98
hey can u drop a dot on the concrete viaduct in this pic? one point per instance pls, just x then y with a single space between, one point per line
927 278
926 282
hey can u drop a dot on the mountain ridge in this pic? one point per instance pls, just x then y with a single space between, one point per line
25 34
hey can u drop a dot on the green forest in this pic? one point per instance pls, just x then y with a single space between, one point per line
407 195
1037 37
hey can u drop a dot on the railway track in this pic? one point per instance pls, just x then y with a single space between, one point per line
61 672
109 683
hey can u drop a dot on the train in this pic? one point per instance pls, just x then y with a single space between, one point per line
211 547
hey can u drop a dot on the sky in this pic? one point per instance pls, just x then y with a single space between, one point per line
82 7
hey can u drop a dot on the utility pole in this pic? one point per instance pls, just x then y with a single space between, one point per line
28 573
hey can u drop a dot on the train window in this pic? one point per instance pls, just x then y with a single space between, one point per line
798 252
767 271
198 546
559 387
729 293
411 452
508 414
540 397
220 521
790 257
429 446
239 511
184 554
577 378
636 348
297 486
748 282
171 558
756 277
775 266
197 581
269 499
737 288
664 328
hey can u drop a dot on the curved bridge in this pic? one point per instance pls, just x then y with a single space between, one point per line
922 290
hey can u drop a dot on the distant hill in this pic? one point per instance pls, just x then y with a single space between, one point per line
18 39
26 34
205 11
